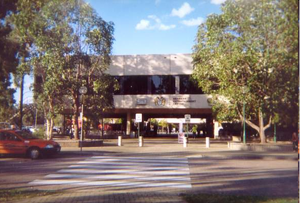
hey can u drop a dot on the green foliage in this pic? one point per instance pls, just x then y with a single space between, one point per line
253 45
194 129
40 133
163 123
153 121
70 48
8 59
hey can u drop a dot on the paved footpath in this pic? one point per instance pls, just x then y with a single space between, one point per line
162 170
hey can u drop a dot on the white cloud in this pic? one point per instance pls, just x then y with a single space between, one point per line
166 27
143 25
193 22
155 18
184 10
217 1
157 24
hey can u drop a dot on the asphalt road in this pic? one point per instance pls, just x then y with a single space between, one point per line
156 167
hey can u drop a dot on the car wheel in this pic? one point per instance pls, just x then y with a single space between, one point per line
34 153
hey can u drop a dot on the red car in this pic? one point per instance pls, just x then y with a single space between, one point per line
22 142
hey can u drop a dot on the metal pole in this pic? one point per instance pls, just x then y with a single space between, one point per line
35 117
21 101
275 139
244 124
138 129
187 130
81 124
102 127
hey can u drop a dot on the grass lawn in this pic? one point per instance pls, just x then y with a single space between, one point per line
217 198
16 194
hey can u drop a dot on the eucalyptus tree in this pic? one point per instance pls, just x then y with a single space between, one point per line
8 59
71 48
248 55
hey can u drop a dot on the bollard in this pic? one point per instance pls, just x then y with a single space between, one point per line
207 142
184 141
141 141
119 141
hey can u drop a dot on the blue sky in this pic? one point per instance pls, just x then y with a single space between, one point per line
149 26
155 26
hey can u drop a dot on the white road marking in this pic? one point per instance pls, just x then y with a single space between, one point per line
123 172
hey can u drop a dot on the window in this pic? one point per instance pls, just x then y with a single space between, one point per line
120 80
163 84
135 84
12 137
189 86
8 136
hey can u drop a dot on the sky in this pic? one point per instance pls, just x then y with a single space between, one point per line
149 27
155 26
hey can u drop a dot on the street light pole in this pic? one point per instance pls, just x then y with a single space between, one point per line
82 91
275 138
245 90
244 124
81 135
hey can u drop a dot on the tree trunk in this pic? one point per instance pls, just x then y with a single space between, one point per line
51 128
51 121
261 127
48 129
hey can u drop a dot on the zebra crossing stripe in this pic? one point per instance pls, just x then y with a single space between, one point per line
139 158
133 163
110 183
94 171
125 167
117 177
123 172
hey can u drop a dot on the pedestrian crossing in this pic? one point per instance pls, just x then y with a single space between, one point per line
123 172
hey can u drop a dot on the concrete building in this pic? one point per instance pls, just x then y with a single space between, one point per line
157 86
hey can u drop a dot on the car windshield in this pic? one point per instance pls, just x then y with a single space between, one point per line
26 135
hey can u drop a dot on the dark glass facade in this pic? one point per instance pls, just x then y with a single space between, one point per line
155 84
188 85
135 84
163 84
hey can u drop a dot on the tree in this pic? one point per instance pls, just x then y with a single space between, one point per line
164 124
71 48
249 53
8 59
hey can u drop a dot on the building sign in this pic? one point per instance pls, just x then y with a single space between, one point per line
141 101
183 100
160 101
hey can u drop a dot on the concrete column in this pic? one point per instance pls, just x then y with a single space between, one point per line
128 124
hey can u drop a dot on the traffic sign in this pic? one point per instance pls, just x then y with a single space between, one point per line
187 118
138 117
